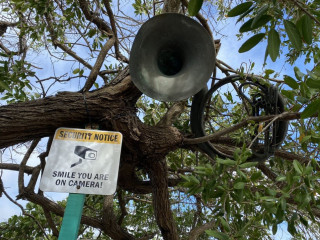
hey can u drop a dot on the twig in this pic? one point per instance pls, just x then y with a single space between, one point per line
23 211
225 68
264 129
115 33
297 3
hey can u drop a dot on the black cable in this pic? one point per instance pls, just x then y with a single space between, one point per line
268 100
87 110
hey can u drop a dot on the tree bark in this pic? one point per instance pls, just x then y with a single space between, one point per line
24 121
161 204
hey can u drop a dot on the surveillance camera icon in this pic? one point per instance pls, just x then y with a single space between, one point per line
84 153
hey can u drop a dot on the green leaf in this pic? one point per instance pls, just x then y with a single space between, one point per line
311 109
299 75
274 228
251 42
239 185
247 26
291 82
76 71
96 85
255 176
28 85
218 235
5 86
303 221
293 34
314 76
194 7
291 228
281 178
283 203
91 33
305 27
225 224
263 20
298 167
313 83
194 179
241 8
245 14
273 44
227 162
248 164
260 13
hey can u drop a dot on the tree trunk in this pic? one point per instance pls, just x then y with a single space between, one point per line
161 203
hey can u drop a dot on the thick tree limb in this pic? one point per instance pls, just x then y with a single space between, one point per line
161 204
172 114
171 6
110 222
29 120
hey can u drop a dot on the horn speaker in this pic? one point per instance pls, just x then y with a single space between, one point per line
172 57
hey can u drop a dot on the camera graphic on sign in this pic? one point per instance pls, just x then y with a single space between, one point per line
84 153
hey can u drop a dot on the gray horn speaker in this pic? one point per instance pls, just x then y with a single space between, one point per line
172 57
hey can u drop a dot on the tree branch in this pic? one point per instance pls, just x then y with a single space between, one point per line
282 116
23 165
119 56
50 221
24 212
299 5
44 116
161 204
196 232
172 114
101 24
57 43
16 167
171 6
96 68
122 204
111 228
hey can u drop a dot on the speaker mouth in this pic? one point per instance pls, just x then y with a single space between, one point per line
172 57
170 60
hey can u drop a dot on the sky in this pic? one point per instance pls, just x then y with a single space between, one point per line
228 53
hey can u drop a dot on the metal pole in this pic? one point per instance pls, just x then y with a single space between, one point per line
72 216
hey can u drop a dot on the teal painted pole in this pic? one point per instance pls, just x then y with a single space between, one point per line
72 216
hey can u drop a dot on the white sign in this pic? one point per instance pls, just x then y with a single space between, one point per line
82 161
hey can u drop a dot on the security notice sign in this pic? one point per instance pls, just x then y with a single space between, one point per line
82 161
